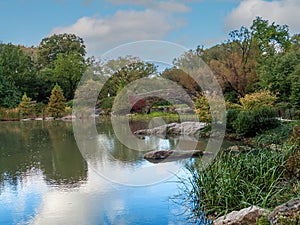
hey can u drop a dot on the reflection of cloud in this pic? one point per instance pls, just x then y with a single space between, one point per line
281 12
18 201
79 206
124 26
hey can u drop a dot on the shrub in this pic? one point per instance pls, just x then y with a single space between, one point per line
202 109
232 115
9 114
277 136
251 122
257 100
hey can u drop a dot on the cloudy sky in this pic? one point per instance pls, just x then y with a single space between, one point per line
104 24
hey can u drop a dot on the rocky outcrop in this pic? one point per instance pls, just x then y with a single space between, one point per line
287 212
172 155
247 216
185 128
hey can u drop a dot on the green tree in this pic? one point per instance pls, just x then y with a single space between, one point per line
275 73
45 83
270 38
68 69
10 96
51 47
26 107
295 87
57 102
17 68
123 72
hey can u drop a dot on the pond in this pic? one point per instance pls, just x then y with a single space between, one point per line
45 178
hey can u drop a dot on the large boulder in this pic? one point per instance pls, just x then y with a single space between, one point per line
286 213
185 128
172 155
247 216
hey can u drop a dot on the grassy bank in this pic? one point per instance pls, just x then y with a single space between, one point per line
263 176
168 117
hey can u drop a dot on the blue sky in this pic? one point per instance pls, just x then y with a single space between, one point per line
104 24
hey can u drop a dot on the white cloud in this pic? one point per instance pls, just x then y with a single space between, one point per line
169 6
279 11
101 34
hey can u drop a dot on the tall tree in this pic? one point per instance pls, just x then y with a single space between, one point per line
17 68
68 69
123 71
235 62
183 79
51 47
270 38
10 96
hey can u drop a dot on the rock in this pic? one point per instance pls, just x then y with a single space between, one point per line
286 213
69 117
185 128
172 155
49 118
247 216
235 149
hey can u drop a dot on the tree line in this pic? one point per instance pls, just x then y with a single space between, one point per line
264 56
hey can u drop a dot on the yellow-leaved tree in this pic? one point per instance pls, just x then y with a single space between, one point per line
57 103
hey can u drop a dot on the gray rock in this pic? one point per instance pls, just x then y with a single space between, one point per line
286 212
172 155
247 216
185 128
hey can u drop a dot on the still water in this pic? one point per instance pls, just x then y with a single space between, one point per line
45 178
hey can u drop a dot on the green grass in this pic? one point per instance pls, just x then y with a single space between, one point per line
233 182
168 117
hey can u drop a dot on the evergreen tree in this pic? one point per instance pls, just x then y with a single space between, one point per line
57 102
26 107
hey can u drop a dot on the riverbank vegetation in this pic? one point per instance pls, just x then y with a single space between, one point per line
266 175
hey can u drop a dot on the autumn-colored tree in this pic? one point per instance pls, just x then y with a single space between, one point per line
183 79
57 102
26 107
235 62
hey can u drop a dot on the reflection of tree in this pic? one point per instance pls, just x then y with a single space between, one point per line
48 146
64 163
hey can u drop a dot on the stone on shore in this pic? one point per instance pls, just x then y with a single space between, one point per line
185 128
287 212
245 216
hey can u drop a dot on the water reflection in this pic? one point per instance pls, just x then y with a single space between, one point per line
45 180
